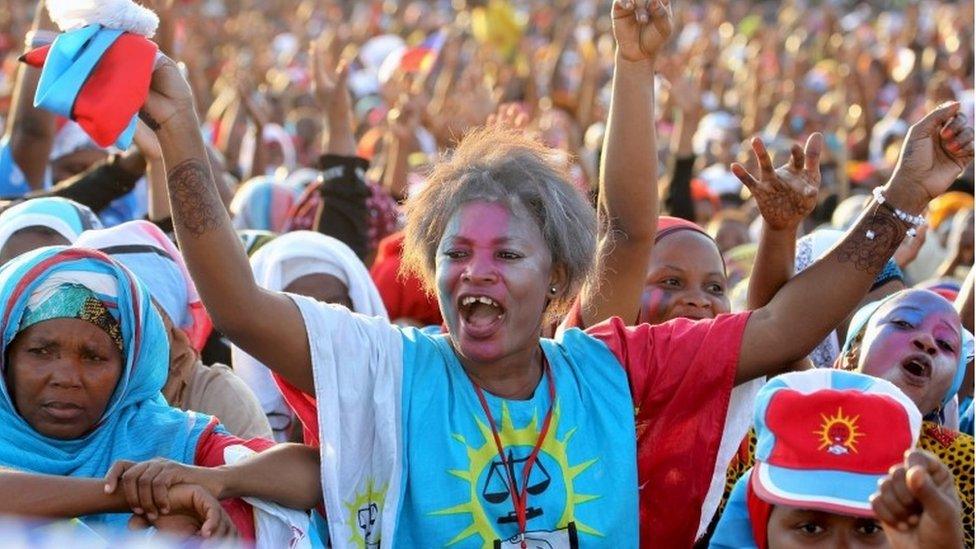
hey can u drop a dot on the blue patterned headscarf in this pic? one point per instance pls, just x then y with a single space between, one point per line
137 423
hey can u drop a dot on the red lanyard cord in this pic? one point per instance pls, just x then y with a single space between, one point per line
520 497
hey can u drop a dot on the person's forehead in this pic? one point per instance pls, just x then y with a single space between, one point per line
491 220
688 248
924 301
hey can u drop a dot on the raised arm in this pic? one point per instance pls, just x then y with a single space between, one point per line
628 180
785 197
936 149
30 131
267 325
686 95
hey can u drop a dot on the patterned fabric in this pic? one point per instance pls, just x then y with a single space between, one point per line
74 301
407 460
144 248
383 212
954 449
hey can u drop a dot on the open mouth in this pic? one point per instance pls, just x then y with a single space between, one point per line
918 369
480 315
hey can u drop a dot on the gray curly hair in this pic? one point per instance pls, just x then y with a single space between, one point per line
497 164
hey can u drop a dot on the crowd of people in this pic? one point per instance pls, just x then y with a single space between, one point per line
494 273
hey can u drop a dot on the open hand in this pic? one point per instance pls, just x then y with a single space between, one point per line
330 82
785 195
935 151
193 512
641 27
917 504
148 485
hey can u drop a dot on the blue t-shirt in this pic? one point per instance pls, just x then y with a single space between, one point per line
584 484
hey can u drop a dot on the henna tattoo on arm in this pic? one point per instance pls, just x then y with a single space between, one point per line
873 241
196 204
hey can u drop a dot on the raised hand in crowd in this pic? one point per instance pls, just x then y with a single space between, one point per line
641 27
959 244
908 250
785 195
330 76
628 201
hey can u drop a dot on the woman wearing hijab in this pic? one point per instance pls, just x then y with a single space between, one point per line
410 434
262 203
214 390
43 222
85 361
313 265
836 469
913 339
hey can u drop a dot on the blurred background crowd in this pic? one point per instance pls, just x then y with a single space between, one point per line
422 73
289 90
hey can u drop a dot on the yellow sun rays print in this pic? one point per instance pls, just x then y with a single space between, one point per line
481 458
839 433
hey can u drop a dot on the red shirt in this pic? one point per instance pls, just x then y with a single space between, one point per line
210 453
681 376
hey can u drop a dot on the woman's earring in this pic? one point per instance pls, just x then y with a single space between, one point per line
552 290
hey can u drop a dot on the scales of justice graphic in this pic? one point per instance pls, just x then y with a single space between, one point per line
496 490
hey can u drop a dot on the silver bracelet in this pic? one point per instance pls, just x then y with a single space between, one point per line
914 220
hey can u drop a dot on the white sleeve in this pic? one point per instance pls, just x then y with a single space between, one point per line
357 365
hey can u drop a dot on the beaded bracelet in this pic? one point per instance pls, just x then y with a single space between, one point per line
914 220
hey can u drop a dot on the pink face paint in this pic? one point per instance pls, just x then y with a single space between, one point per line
493 269
913 341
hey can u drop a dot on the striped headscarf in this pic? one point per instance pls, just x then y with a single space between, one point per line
146 250
262 203
137 423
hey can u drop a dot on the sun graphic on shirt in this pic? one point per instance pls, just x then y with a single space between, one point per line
482 458
364 515
838 433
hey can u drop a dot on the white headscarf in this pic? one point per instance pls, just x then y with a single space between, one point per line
278 264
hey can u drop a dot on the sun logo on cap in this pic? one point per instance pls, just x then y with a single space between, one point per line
838 433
